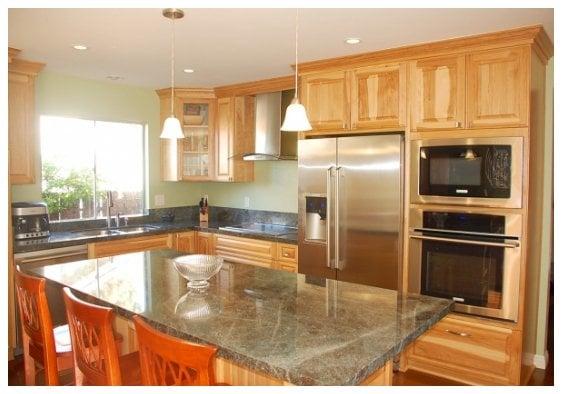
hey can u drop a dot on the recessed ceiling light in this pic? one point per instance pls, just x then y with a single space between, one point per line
188 70
352 40
80 47
114 77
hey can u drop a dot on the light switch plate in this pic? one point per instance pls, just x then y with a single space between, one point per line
246 202
159 200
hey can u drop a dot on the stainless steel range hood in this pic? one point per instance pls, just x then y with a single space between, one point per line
270 142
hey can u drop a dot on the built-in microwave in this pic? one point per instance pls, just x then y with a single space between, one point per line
473 258
468 171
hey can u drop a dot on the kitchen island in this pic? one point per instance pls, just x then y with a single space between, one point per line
270 327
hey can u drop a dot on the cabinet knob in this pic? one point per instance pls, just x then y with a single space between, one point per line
457 124
285 254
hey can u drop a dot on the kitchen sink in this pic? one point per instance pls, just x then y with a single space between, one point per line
104 232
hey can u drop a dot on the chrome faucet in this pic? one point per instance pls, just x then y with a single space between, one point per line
109 201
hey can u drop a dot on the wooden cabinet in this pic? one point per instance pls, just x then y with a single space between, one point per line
469 351
234 136
379 97
129 245
438 93
185 242
205 243
191 158
326 99
246 250
22 122
287 257
498 88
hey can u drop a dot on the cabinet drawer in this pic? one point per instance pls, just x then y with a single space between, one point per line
287 253
245 250
111 248
471 352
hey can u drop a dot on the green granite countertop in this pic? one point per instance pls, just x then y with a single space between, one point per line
303 330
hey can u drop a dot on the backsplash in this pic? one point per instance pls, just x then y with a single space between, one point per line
222 215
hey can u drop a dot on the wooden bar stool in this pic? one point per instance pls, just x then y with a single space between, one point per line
169 361
95 349
41 343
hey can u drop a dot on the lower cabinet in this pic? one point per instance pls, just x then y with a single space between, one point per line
468 350
287 256
129 245
205 243
246 250
185 242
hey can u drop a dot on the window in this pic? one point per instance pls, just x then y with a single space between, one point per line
84 159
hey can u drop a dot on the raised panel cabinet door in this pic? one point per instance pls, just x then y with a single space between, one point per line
205 243
498 88
185 242
22 138
224 139
378 97
438 93
326 99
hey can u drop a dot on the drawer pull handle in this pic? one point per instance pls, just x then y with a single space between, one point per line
285 254
460 334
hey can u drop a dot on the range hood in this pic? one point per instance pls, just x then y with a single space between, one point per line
270 142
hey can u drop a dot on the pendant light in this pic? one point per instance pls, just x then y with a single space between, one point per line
295 117
172 127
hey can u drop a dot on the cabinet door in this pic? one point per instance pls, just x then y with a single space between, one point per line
378 97
185 242
223 139
205 244
438 93
21 128
196 147
326 99
498 88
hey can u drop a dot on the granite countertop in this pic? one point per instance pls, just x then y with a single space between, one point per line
70 238
276 322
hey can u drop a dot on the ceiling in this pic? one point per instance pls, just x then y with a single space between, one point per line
226 46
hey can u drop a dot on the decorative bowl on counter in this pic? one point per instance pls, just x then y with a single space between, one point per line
197 268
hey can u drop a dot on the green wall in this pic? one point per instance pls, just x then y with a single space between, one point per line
275 187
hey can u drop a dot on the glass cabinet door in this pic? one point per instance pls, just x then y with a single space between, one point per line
196 128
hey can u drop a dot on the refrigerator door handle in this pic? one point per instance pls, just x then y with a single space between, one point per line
328 215
337 219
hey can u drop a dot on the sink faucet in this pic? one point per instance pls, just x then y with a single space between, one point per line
109 200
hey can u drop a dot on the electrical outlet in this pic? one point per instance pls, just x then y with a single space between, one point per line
246 202
159 200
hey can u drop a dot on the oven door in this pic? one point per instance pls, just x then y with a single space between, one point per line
467 171
481 274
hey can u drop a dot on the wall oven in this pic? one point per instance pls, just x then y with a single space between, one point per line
468 171
472 258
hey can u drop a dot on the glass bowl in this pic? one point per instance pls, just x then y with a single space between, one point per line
197 268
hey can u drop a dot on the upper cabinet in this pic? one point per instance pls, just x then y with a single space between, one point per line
234 136
364 98
378 97
498 88
22 122
326 99
438 93
216 134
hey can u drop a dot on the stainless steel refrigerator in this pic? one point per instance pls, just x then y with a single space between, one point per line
350 208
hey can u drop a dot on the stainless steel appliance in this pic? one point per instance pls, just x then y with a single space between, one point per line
350 208
30 220
472 258
54 294
468 171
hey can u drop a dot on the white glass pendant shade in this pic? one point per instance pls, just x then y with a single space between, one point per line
296 118
172 128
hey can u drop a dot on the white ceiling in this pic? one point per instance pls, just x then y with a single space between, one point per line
227 46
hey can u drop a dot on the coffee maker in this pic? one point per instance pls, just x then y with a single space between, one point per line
30 220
